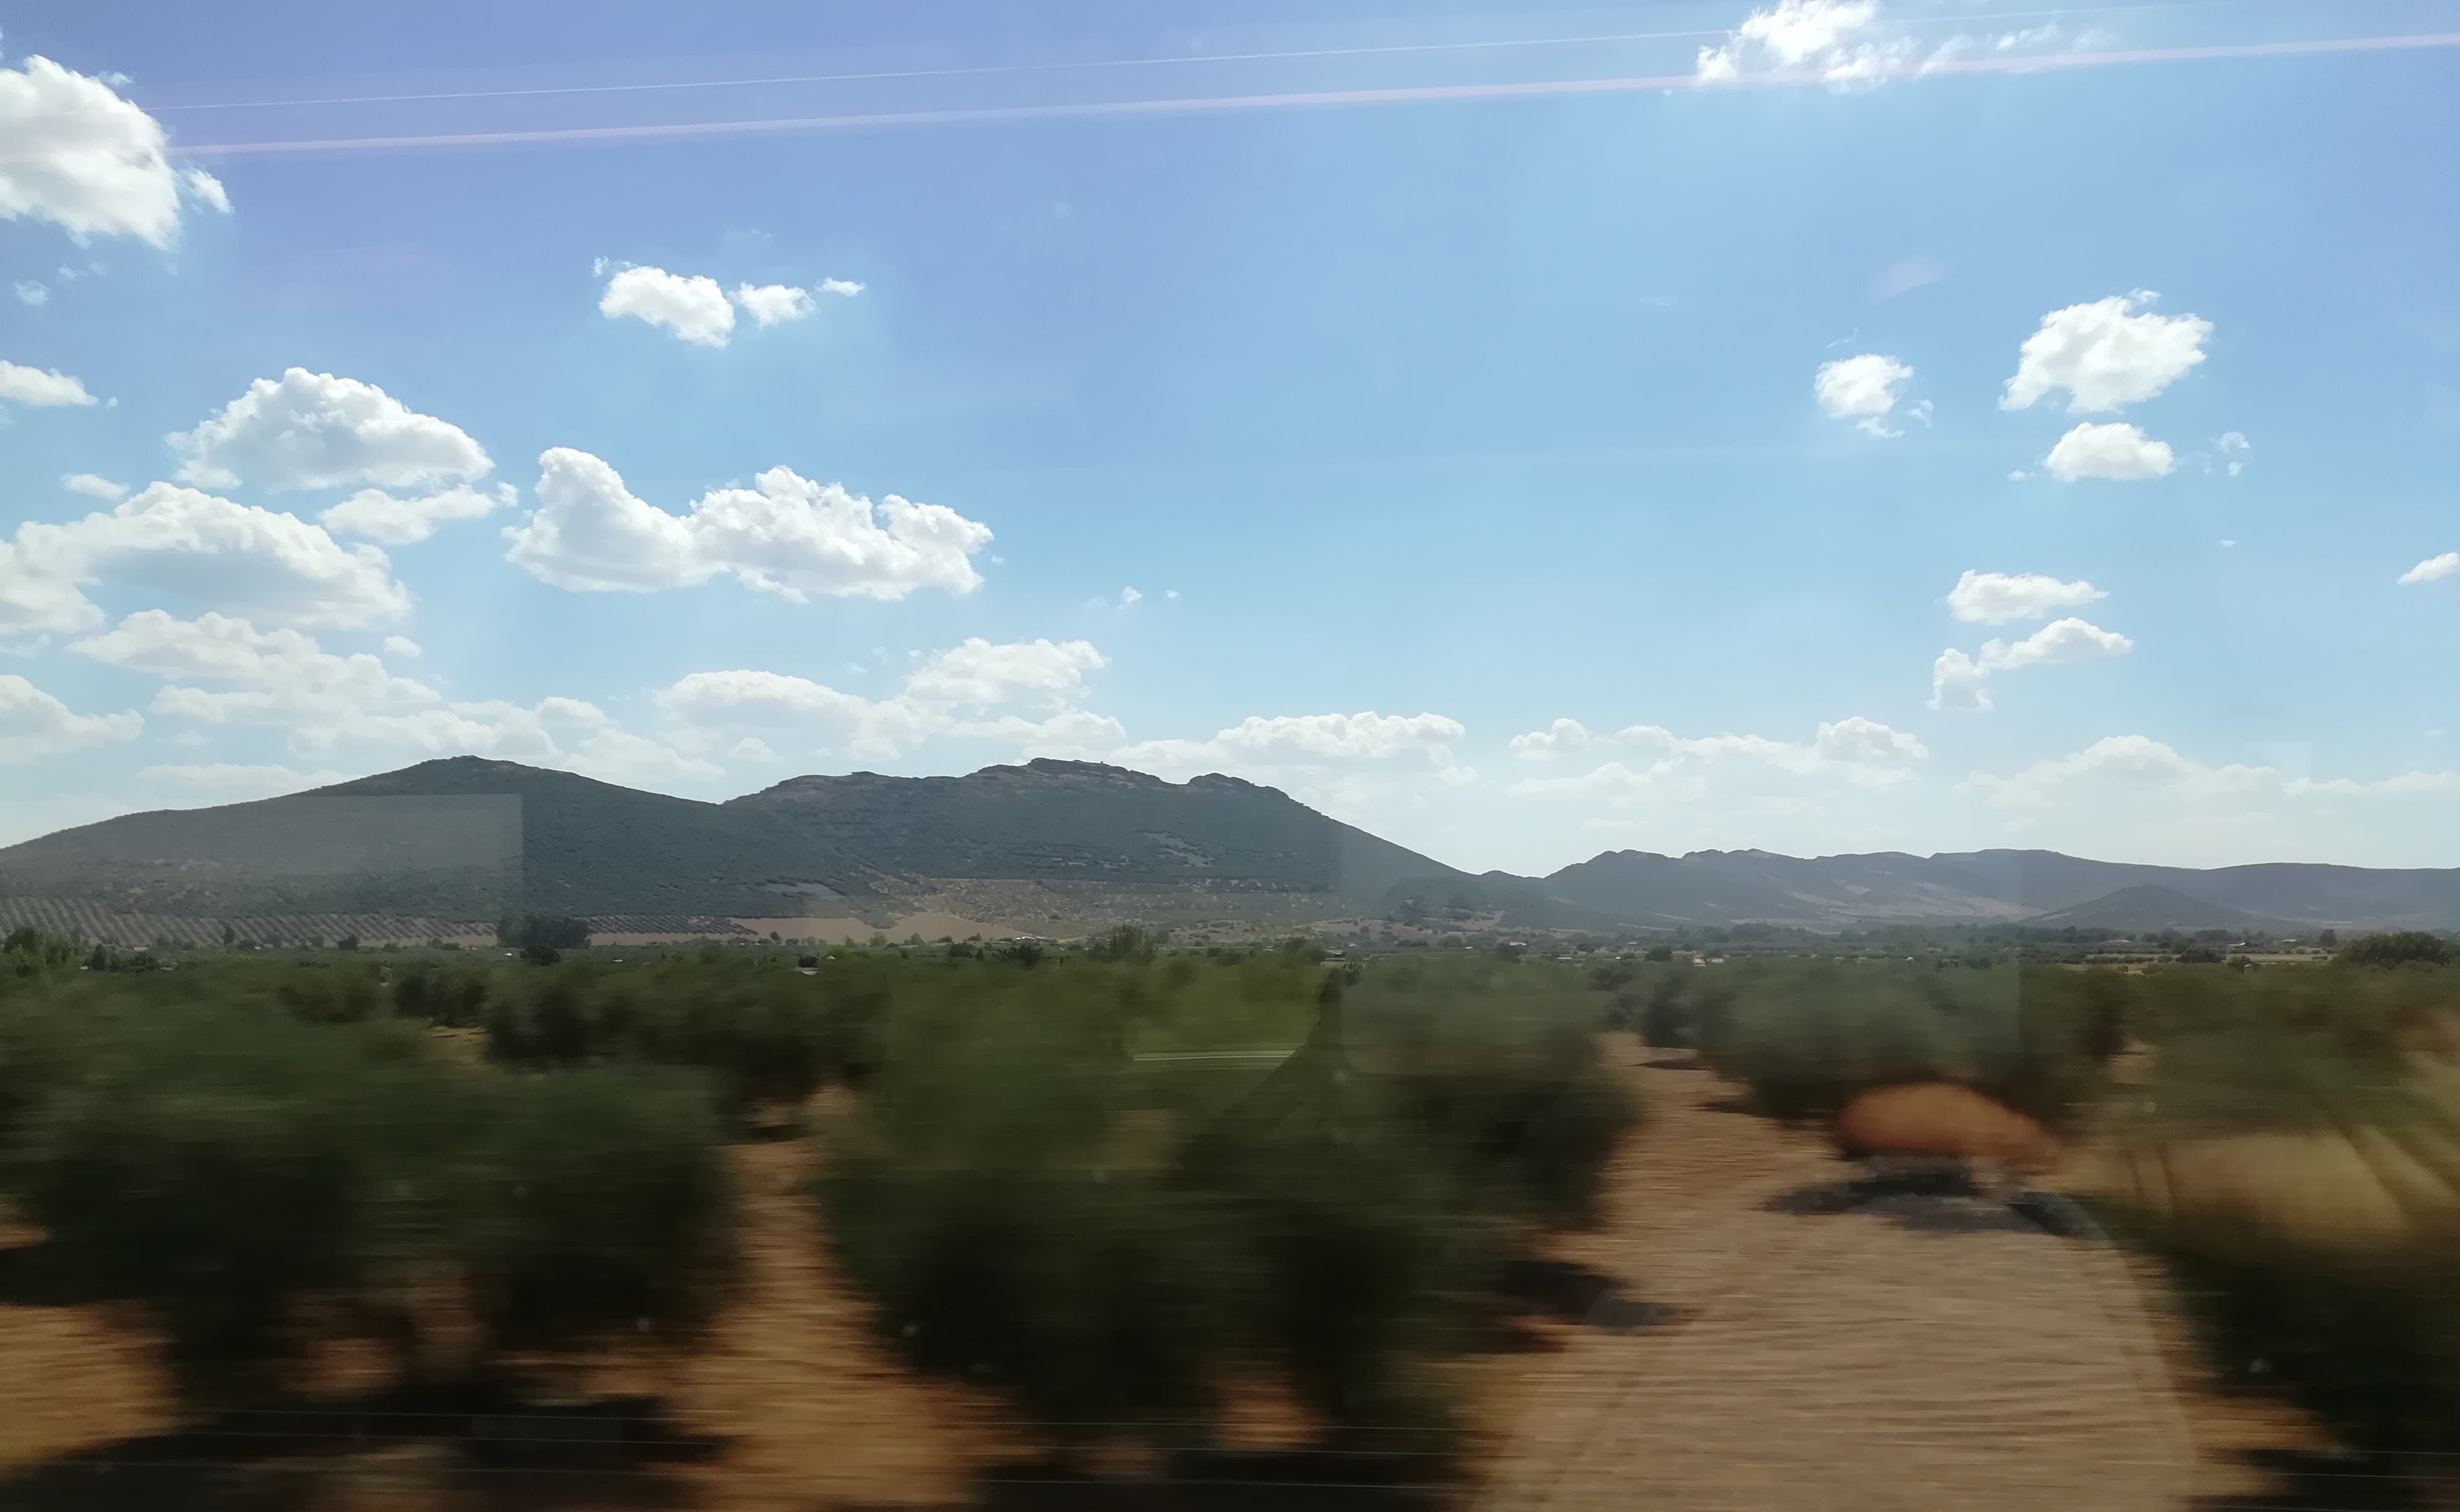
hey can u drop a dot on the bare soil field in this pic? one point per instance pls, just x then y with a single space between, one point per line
1738 1335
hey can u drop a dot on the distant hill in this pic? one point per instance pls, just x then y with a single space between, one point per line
1834 891
469 838
1050 844
2148 908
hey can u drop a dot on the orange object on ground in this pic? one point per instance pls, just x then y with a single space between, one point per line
1941 1120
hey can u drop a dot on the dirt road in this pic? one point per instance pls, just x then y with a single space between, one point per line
1834 1355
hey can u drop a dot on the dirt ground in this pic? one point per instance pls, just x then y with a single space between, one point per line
1738 1338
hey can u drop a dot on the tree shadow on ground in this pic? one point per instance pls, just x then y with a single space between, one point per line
477 1452
1566 1292
1223 1481
2352 1483
1940 1201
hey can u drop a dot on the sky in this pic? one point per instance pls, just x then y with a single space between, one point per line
1832 426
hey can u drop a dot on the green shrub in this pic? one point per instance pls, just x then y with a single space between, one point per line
598 1203
2412 948
1030 1207
258 1184
1808 1037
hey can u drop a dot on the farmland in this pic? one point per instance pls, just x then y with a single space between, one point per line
907 1227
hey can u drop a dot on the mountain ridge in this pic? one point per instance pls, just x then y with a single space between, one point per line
1059 840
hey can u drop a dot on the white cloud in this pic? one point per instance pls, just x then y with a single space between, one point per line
785 535
1958 681
231 782
31 292
74 153
205 188
2234 447
2431 569
591 535
93 487
1669 792
1561 738
750 748
1299 739
1862 390
694 309
239 558
2105 354
280 677
1832 38
772 303
1364 766
32 723
379 516
402 646
2135 795
1995 598
951 694
312 430
35 386
2114 451
844 287
332 703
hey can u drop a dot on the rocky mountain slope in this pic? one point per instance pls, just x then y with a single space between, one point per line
471 838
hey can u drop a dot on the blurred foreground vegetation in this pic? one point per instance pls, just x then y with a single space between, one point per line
1116 1183
1102 1188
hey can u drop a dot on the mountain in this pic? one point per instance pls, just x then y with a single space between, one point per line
468 838
1046 846
2148 908
1981 887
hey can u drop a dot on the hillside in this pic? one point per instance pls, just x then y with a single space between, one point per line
1050 844
472 839
2149 909
1990 886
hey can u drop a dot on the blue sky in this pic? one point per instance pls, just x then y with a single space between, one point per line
1518 464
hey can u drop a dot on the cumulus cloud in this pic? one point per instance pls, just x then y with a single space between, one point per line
957 691
1960 681
1844 43
2232 447
32 723
1344 764
692 309
396 522
1862 390
278 677
1561 738
31 292
843 287
402 646
93 487
239 558
1854 748
774 304
1667 790
2105 354
567 733
1833 39
79 156
35 386
2113 451
2135 796
313 429
784 535
1995 598
2431 569
1299 739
